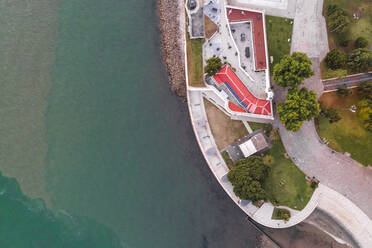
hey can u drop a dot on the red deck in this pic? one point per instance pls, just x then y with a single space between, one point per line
235 108
254 105
237 15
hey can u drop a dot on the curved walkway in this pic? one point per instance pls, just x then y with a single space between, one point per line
219 168
333 169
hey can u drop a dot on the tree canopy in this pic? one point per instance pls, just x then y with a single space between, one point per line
360 59
247 177
292 70
337 19
329 113
365 89
361 42
299 106
335 59
365 113
213 66
343 91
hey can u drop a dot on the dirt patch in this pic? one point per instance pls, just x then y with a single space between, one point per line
331 99
224 130
210 27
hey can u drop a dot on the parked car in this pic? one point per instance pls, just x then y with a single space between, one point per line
242 37
191 4
247 52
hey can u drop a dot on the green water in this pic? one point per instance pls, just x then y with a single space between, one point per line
90 126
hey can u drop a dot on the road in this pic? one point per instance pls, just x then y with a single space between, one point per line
352 80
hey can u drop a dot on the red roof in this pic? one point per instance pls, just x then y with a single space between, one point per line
254 105
235 107
237 15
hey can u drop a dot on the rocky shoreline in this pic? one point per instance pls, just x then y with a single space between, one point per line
172 16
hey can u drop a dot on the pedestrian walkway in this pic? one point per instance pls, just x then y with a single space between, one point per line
219 168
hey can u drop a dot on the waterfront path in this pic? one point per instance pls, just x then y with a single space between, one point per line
219 168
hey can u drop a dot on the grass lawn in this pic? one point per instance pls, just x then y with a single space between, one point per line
360 27
195 61
286 184
346 135
278 31
224 130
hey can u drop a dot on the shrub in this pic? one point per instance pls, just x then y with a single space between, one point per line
360 59
335 59
314 184
343 39
330 113
268 160
361 42
365 113
267 129
365 89
343 91
281 214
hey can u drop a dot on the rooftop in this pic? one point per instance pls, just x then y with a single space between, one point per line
256 18
247 101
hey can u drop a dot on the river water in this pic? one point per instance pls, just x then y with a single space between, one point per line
96 151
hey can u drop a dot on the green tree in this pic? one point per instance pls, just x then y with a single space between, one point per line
299 106
365 89
292 70
335 59
361 42
330 113
360 59
343 39
337 19
247 177
365 113
213 66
